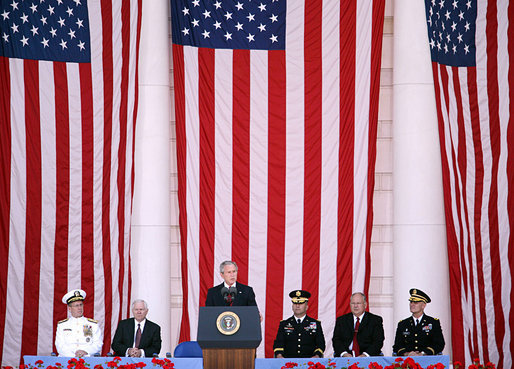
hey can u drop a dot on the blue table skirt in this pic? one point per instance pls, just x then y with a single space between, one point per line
196 363
362 362
179 363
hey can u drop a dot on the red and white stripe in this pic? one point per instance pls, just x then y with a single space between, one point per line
276 156
477 135
66 169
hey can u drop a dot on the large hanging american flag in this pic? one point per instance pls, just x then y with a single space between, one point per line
472 45
276 112
68 71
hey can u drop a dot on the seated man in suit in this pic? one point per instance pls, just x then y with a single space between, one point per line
137 336
230 292
358 333
77 336
419 334
300 335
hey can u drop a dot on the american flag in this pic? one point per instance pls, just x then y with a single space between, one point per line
276 112
472 46
68 71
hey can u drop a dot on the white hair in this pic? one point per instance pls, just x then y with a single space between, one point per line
139 300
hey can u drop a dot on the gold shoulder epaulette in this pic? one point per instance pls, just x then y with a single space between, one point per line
92 320
62 321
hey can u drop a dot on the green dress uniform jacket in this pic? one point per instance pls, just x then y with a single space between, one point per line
299 340
426 337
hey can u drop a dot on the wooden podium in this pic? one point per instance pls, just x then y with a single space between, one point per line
229 336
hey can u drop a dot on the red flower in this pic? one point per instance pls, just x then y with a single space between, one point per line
472 366
373 365
289 365
354 366
39 362
99 366
117 358
457 364
140 365
111 364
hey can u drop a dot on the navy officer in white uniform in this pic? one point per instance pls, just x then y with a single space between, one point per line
77 336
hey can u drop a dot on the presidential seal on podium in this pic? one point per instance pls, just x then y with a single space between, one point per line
228 323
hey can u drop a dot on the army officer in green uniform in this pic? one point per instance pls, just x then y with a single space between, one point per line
419 334
300 335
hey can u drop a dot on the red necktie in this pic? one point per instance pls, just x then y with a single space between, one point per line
138 335
229 298
355 343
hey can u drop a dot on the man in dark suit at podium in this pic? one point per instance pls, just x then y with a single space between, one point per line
230 292
358 333
137 337
300 335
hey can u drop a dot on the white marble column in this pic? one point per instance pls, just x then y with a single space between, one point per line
420 253
151 211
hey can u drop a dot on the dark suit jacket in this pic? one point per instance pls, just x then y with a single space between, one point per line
370 335
427 336
244 297
124 338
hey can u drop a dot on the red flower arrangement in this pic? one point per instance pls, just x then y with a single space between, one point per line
75 363
311 365
408 363
399 363
476 365
289 365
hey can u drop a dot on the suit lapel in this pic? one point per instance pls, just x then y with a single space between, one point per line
239 294
221 301
349 322
145 334
131 331
365 320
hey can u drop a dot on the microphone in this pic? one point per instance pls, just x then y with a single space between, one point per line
232 291
225 293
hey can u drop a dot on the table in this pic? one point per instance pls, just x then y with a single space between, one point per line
363 362
179 363
197 363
